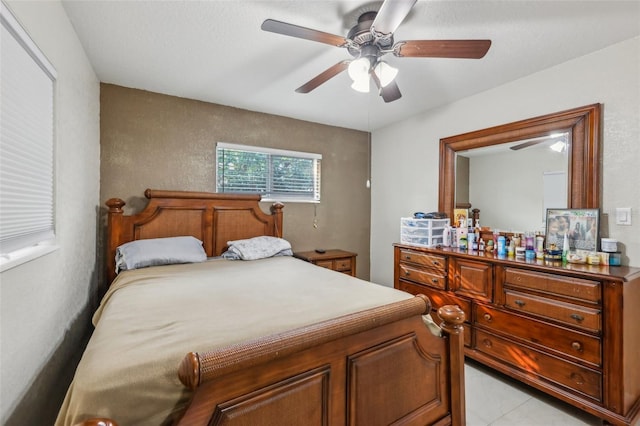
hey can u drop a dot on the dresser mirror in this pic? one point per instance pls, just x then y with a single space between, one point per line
497 164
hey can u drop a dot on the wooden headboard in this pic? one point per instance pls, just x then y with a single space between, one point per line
212 218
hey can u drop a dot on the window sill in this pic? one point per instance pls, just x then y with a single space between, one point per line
288 200
18 257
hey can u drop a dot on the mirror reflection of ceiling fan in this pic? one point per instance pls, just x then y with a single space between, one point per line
372 38
559 145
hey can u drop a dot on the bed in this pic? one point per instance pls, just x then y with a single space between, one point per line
268 341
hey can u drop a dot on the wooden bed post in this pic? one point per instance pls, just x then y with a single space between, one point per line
453 317
114 223
276 211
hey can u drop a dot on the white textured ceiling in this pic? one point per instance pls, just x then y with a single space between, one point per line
215 51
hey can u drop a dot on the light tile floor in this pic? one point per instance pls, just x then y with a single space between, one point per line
494 399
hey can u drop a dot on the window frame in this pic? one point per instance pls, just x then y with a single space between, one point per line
270 196
35 245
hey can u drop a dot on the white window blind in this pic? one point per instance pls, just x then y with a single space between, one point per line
276 174
26 139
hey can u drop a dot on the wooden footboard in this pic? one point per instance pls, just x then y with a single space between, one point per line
382 366
377 367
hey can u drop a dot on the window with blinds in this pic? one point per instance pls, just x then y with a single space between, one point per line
26 140
277 175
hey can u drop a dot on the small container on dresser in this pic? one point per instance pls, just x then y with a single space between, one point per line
422 232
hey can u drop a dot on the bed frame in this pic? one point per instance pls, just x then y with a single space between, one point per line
376 367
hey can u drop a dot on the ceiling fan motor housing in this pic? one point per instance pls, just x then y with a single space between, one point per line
362 36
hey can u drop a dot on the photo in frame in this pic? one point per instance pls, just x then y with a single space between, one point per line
582 227
461 216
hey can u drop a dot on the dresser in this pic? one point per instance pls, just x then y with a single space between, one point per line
337 260
572 331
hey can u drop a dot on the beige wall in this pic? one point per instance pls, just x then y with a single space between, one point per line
150 140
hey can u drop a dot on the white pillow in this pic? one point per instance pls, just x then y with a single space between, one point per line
159 251
258 248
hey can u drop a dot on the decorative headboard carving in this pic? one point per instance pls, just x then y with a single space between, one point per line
212 218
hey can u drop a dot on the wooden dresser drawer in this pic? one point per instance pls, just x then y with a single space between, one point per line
343 264
563 341
422 276
573 377
576 288
325 263
472 279
438 263
567 313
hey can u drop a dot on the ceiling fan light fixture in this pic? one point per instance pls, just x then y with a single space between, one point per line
361 84
359 69
385 73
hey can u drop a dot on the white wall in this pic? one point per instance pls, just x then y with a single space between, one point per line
405 154
42 299
519 174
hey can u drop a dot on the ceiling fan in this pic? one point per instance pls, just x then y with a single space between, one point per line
372 38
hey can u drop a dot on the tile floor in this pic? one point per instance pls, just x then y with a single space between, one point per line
494 399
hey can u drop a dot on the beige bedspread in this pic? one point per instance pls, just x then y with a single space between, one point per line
150 318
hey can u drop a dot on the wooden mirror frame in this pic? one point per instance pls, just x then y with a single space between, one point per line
583 125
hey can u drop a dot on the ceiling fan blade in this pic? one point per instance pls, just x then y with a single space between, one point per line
391 15
468 49
302 32
526 144
323 77
390 92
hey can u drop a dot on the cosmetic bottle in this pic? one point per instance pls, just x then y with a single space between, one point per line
462 236
502 249
565 248
529 244
539 243
472 243
446 236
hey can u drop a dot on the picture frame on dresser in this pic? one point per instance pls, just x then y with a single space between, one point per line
582 227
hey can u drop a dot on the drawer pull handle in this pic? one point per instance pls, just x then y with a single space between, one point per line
434 280
577 346
435 262
577 378
406 273
519 302
487 317
407 257
577 317
487 343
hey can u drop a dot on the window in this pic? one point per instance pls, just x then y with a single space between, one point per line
278 175
26 145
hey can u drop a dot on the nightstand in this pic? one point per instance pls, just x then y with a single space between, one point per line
337 260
